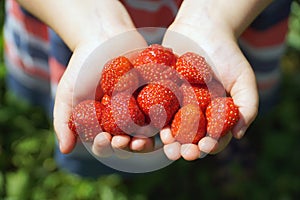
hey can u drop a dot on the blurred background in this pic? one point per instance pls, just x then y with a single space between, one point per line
269 169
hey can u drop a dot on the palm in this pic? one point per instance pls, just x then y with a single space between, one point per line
230 67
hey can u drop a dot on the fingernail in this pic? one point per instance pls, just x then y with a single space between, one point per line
241 132
203 146
208 145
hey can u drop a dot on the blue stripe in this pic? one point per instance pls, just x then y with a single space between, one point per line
33 50
274 13
262 65
33 96
58 49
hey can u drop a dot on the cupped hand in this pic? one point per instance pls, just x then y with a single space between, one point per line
218 44
104 35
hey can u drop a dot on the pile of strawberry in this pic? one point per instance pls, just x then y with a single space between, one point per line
157 88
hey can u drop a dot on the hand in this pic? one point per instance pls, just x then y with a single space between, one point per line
92 45
219 44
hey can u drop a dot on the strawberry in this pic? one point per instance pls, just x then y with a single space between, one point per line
195 94
189 124
216 89
156 63
221 114
121 114
155 72
159 101
194 68
85 119
201 94
155 53
118 75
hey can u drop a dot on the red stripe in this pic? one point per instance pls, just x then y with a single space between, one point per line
267 84
56 70
148 19
273 36
32 25
31 70
163 17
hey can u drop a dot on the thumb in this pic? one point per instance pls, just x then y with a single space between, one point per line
64 100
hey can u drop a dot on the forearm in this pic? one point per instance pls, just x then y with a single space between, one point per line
77 20
233 16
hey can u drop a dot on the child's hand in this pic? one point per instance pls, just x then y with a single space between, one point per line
100 22
78 83
218 40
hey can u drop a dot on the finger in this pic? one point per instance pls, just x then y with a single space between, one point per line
142 144
222 143
172 150
207 144
120 145
120 141
166 136
61 113
101 145
190 152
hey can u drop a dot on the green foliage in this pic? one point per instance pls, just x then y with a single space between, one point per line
294 33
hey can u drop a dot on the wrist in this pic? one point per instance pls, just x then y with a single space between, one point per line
78 22
233 18
93 22
202 17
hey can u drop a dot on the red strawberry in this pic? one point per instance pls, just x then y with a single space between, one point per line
159 101
216 89
121 114
221 114
189 124
155 53
85 119
155 72
156 63
194 68
118 75
195 94
201 94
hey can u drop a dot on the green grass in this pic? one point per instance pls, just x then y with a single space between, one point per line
29 172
